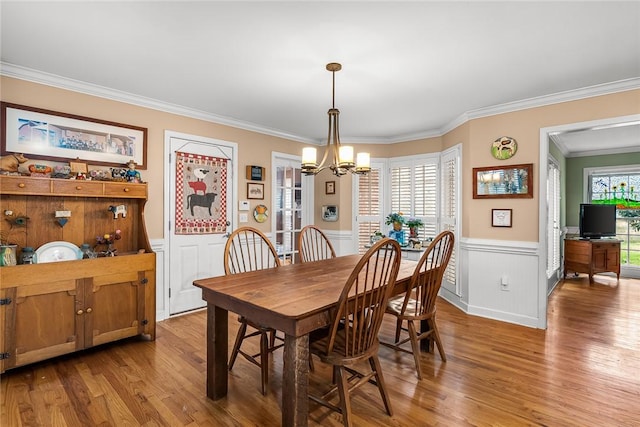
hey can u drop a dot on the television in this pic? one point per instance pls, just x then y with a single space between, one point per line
597 221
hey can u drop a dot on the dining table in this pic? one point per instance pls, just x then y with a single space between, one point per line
295 299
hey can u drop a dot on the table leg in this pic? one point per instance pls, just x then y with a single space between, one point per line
295 381
217 351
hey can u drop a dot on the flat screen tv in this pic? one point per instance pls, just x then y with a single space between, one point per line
597 221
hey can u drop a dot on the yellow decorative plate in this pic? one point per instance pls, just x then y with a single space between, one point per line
260 213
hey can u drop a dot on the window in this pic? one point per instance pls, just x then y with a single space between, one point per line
413 190
620 186
425 187
288 206
553 217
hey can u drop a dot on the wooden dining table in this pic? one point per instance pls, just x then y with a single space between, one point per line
295 299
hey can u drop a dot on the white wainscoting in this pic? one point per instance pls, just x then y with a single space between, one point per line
483 265
162 289
342 241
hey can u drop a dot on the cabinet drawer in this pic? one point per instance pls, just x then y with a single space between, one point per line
123 189
24 185
81 188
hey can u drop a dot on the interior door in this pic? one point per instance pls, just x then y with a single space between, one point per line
201 207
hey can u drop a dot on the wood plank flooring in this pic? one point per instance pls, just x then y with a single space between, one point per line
584 370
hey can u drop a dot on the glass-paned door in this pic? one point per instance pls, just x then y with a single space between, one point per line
288 207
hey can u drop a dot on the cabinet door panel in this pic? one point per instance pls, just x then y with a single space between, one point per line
116 301
47 321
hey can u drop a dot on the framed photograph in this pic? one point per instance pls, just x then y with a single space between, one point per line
495 182
255 191
330 187
50 135
501 217
330 213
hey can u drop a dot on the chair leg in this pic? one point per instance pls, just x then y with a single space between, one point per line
236 346
343 391
398 329
436 338
415 347
376 367
264 361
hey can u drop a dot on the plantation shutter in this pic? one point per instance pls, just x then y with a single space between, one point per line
370 217
450 210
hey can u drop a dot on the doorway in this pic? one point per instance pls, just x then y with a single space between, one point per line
201 187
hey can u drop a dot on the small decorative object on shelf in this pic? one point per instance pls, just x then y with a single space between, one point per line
87 252
375 237
109 239
12 162
396 219
8 255
132 174
398 236
28 255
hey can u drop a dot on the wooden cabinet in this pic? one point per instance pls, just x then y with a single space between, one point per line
54 308
592 256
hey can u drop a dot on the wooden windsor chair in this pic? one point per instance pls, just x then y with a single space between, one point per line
419 302
352 336
314 245
248 249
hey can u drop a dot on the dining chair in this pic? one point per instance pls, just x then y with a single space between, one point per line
314 245
352 335
248 249
419 303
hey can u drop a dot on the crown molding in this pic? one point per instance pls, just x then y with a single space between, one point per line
23 73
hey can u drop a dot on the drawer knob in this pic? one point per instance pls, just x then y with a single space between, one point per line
126 190
21 185
79 312
78 188
89 310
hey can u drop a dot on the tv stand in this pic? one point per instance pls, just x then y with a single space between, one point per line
592 256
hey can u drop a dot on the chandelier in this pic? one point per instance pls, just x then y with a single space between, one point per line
340 156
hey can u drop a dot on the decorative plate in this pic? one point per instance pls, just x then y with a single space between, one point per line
260 213
57 251
504 148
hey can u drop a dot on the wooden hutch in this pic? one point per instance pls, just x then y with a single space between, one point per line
54 308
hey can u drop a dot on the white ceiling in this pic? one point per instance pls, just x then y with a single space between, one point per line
410 69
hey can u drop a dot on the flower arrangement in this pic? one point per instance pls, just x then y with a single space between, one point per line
414 222
108 239
394 217
16 221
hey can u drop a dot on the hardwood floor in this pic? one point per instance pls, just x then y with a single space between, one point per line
582 371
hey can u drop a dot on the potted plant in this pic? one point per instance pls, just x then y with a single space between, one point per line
413 224
396 219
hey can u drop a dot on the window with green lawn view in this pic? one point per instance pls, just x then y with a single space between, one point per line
621 188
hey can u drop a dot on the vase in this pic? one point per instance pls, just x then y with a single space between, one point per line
8 255
413 232
397 226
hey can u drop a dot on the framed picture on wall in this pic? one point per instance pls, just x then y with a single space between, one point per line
255 191
501 217
330 187
495 182
55 136
330 213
